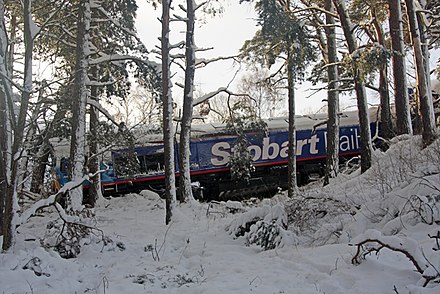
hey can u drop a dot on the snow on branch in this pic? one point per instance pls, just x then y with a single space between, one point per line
52 200
314 8
179 45
203 49
117 57
101 109
178 18
208 96
204 62
182 7
374 241
200 5
98 7
6 77
37 29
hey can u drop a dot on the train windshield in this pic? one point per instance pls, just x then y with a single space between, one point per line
139 161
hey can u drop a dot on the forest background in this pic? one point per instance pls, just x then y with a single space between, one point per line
95 54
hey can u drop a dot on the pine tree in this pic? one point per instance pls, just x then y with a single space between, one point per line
282 36
424 93
359 85
188 93
403 117
168 130
19 124
332 161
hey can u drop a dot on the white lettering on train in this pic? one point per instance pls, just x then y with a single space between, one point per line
221 151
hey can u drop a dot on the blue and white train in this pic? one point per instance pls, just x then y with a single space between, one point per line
211 147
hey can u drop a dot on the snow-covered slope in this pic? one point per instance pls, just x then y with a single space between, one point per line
199 252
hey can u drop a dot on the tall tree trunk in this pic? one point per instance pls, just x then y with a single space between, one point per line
425 42
401 98
13 42
29 141
41 161
5 123
424 97
292 185
332 161
11 205
78 135
185 132
385 111
3 149
93 162
359 86
43 153
170 180
3 135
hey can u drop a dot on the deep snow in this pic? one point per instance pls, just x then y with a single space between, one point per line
198 253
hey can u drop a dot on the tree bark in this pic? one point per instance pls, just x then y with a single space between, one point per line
93 162
424 97
359 86
170 180
386 130
29 143
44 152
5 141
332 160
41 161
401 98
292 185
185 130
78 135
11 205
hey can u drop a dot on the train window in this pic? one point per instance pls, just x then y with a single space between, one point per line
127 164
64 165
152 163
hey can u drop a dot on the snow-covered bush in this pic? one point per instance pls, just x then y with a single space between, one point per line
265 226
67 237
266 235
402 188
241 160
304 211
243 119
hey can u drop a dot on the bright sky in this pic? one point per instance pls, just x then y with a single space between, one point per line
226 34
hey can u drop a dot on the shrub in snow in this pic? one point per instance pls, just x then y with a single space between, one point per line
400 190
305 212
67 237
241 160
234 206
266 235
242 120
424 208
264 226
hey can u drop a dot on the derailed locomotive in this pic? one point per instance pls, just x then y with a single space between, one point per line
211 147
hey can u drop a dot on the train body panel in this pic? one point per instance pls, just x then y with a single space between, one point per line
210 160
142 167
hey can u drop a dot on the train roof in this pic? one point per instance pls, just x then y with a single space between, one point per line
153 136
302 122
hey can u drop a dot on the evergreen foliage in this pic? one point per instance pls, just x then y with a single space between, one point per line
366 61
242 121
279 34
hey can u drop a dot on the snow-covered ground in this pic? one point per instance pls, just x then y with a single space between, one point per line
199 253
